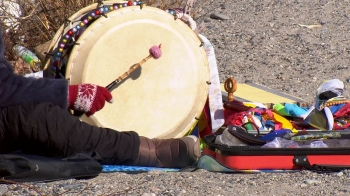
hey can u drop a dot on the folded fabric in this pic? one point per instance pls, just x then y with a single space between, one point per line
336 108
343 111
279 109
294 110
289 109
330 118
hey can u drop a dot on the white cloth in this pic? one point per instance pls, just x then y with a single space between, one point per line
215 95
335 85
39 74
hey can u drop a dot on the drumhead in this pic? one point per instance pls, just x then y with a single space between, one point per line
72 21
165 96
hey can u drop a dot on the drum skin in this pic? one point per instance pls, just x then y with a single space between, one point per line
164 97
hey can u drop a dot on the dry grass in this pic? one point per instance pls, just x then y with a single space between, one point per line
40 21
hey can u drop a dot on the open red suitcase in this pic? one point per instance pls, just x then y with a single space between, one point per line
257 158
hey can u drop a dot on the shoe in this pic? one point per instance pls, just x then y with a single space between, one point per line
171 153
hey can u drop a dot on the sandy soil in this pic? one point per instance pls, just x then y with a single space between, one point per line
291 46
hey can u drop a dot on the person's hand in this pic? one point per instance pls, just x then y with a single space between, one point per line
88 98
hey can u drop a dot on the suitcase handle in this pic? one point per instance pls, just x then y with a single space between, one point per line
302 161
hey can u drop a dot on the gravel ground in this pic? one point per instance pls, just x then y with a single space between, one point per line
200 182
269 42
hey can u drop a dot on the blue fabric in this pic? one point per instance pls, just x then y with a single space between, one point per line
294 110
125 168
195 131
259 117
276 133
205 162
269 124
336 108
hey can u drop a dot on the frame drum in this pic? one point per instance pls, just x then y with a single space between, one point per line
161 99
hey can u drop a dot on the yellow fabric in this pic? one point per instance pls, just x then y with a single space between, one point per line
255 94
285 123
202 123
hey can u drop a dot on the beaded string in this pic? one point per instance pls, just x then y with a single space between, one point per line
180 13
332 103
68 40
175 11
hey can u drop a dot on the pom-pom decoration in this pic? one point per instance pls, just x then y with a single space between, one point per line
155 51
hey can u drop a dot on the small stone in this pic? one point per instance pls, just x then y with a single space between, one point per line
218 16
303 185
148 178
148 194
309 181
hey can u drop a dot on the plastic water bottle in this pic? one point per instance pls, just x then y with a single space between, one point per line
28 57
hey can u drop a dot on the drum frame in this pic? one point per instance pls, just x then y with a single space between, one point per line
85 11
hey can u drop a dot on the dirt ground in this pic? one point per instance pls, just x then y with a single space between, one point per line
291 46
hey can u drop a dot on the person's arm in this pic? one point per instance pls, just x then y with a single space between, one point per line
16 89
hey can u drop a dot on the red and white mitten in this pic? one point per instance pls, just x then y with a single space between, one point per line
88 98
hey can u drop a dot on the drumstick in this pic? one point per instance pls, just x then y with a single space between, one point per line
154 52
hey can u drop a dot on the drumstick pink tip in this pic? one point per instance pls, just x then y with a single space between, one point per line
155 51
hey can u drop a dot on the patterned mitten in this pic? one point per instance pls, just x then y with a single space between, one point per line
88 98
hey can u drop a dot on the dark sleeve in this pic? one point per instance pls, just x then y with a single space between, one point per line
16 89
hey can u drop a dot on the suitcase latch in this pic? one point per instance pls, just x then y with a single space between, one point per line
302 161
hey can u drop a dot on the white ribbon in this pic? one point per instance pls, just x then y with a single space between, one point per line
215 96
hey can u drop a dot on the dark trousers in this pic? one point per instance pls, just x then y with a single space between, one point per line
48 130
